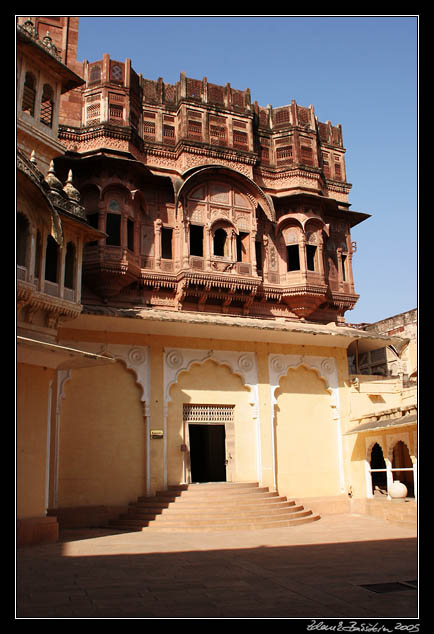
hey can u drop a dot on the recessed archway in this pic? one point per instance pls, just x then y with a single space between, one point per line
210 388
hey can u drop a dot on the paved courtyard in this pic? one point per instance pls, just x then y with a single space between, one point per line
343 566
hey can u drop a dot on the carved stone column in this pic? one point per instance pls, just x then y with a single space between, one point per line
157 242
303 260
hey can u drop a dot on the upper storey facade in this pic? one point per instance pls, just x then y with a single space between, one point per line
208 200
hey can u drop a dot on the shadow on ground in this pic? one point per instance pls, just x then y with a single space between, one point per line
297 581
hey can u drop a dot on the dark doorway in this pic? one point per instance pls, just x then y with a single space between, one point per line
207 453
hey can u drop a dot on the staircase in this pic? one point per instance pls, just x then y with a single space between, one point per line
213 506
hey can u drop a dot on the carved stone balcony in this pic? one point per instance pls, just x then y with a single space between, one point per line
109 269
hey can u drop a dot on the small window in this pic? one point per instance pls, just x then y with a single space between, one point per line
166 243
258 252
47 106
69 265
113 229
242 247
293 257
310 257
29 94
130 234
51 260
196 240
344 268
220 242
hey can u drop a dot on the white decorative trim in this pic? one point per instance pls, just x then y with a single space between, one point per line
325 367
243 364
369 444
63 377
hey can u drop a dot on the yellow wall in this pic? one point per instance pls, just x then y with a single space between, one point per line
33 405
102 438
373 395
306 437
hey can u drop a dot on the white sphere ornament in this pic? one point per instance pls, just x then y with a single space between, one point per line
397 490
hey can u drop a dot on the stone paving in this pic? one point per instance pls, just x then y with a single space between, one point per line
312 571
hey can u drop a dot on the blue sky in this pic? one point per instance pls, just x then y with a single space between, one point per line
359 71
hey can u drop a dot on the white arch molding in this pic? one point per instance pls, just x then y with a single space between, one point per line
325 367
243 364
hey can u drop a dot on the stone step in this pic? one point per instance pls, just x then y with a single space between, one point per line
217 508
211 513
219 526
213 506
203 520
197 503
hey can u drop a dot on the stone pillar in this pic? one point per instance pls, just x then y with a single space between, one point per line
157 242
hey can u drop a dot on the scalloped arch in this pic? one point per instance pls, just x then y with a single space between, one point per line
198 362
193 175
370 445
305 365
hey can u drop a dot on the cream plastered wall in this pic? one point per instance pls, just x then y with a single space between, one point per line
370 396
102 456
307 443
34 397
196 370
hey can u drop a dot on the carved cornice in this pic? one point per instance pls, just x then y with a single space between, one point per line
30 301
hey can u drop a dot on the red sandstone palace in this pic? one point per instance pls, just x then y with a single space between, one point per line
208 200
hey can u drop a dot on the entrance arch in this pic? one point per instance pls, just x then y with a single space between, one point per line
211 388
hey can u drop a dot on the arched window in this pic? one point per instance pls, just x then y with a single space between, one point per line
378 470
402 466
22 230
113 224
220 238
47 106
29 94
69 265
292 237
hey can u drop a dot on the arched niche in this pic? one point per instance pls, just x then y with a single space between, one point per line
210 379
325 369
